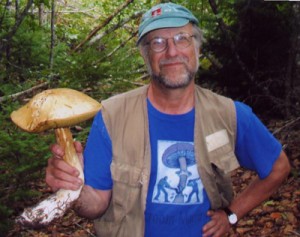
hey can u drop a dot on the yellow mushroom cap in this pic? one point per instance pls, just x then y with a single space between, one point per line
55 108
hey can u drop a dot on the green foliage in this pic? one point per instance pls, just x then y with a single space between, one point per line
5 224
22 159
25 60
28 46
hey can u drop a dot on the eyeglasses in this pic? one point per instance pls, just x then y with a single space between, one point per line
181 41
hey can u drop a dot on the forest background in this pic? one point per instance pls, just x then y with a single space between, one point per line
251 53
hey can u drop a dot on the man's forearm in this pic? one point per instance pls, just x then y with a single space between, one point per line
92 203
261 189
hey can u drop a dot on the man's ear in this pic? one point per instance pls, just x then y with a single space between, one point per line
199 50
143 53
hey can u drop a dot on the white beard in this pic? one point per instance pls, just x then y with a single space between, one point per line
181 80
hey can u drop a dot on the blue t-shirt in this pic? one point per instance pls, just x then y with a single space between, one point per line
177 202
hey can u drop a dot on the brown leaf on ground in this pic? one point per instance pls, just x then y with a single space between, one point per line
275 215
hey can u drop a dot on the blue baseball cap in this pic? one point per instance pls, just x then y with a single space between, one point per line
165 15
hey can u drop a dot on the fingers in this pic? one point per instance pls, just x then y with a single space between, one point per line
79 150
218 225
57 151
78 147
59 174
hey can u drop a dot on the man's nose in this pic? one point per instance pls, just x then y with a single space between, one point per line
171 48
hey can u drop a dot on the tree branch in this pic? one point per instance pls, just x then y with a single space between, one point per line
121 45
103 24
286 125
114 27
17 95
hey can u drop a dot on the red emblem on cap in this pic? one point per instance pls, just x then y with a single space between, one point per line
156 12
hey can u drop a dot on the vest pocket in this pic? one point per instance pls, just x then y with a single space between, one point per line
126 174
224 159
126 185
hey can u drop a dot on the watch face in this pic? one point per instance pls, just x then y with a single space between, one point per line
232 218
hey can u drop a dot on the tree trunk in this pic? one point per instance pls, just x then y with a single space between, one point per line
292 76
42 16
19 21
5 47
17 7
296 74
52 34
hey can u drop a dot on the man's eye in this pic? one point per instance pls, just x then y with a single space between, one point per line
179 38
158 41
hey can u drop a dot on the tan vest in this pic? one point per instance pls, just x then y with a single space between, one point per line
126 120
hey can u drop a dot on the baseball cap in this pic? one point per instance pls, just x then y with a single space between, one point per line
165 15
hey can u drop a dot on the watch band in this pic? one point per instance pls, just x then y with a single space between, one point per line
232 217
228 211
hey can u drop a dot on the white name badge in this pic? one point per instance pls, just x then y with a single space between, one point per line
217 140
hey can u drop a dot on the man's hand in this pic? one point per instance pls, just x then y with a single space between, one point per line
59 174
252 196
218 226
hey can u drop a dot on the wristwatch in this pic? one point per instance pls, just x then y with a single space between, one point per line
232 217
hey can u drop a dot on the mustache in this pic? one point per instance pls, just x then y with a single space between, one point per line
177 59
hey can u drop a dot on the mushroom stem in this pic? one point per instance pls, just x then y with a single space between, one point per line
183 173
65 139
56 204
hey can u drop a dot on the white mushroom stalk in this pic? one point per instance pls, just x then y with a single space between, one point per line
58 109
56 204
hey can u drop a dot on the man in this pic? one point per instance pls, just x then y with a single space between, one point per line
173 129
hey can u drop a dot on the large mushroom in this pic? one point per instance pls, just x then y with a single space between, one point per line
180 155
59 109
